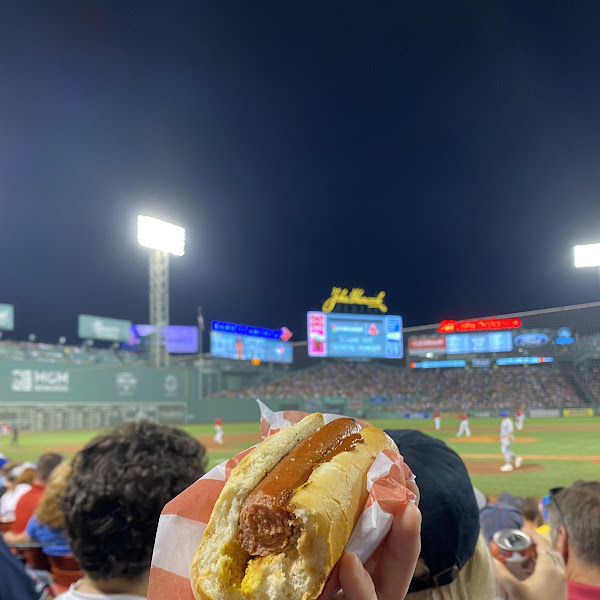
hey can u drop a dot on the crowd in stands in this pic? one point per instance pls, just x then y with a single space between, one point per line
96 513
447 389
60 353
102 507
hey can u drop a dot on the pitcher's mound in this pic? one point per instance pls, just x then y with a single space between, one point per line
488 439
489 467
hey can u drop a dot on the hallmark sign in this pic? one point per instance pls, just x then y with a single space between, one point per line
33 380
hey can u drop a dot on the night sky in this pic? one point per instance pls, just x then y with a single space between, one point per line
446 152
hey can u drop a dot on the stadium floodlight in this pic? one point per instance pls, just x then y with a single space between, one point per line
162 239
159 235
587 255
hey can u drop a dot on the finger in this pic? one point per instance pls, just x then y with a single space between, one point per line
414 488
540 541
355 581
396 564
508 582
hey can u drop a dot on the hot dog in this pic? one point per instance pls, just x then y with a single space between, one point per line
286 512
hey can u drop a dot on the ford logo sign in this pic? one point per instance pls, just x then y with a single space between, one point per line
531 340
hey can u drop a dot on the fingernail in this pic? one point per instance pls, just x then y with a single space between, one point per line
357 563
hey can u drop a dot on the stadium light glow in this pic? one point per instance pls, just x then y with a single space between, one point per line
587 255
159 235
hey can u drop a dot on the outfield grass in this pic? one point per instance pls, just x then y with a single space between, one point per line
548 449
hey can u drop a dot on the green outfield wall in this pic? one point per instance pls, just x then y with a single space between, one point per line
40 397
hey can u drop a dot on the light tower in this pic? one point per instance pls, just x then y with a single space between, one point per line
587 255
162 239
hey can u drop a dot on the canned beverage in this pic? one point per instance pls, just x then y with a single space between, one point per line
516 550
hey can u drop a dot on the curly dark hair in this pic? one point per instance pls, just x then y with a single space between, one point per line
120 483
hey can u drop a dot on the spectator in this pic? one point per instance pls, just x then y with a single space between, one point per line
14 491
455 559
574 519
119 485
29 501
532 518
47 524
499 516
16 582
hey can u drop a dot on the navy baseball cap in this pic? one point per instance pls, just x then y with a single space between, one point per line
450 525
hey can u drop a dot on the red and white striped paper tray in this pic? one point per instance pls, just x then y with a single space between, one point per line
183 520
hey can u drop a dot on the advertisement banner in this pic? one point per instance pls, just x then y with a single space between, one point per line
248 347
421 346
179 339
483 414
39 380
416 415
354 404
102 328
544 412
578 412
7 317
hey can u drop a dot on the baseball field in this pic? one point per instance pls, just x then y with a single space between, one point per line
556 452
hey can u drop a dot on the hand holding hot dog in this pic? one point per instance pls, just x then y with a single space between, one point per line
288 510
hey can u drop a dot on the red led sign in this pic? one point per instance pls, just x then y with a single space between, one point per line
452 326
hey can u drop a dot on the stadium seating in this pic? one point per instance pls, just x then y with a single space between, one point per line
449 389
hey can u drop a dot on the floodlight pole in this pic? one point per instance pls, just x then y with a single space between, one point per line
158 270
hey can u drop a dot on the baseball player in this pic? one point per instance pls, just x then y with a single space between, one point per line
506 439
437 420
519 419
464 425
218 430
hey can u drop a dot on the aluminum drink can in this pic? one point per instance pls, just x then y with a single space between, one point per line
516 550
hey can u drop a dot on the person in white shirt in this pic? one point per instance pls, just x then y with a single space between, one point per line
506 439
14 491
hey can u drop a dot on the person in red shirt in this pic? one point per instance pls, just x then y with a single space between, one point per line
29 501
437 420
464 425
574 519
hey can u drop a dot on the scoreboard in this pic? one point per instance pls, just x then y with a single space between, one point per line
354 335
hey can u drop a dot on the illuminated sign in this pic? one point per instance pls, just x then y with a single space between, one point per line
248 347
422 346
351 335
473 343
179 339
479 325
483 363
531 340
524 360
564 336
355 296
438 364
260 332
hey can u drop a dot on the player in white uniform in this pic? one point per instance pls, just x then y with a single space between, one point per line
464 425
506 439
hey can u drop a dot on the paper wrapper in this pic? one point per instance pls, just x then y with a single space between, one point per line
183 520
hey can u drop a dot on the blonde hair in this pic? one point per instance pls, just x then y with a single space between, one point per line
26 476
49 511
476 579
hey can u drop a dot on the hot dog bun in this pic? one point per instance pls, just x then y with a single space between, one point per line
325 511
